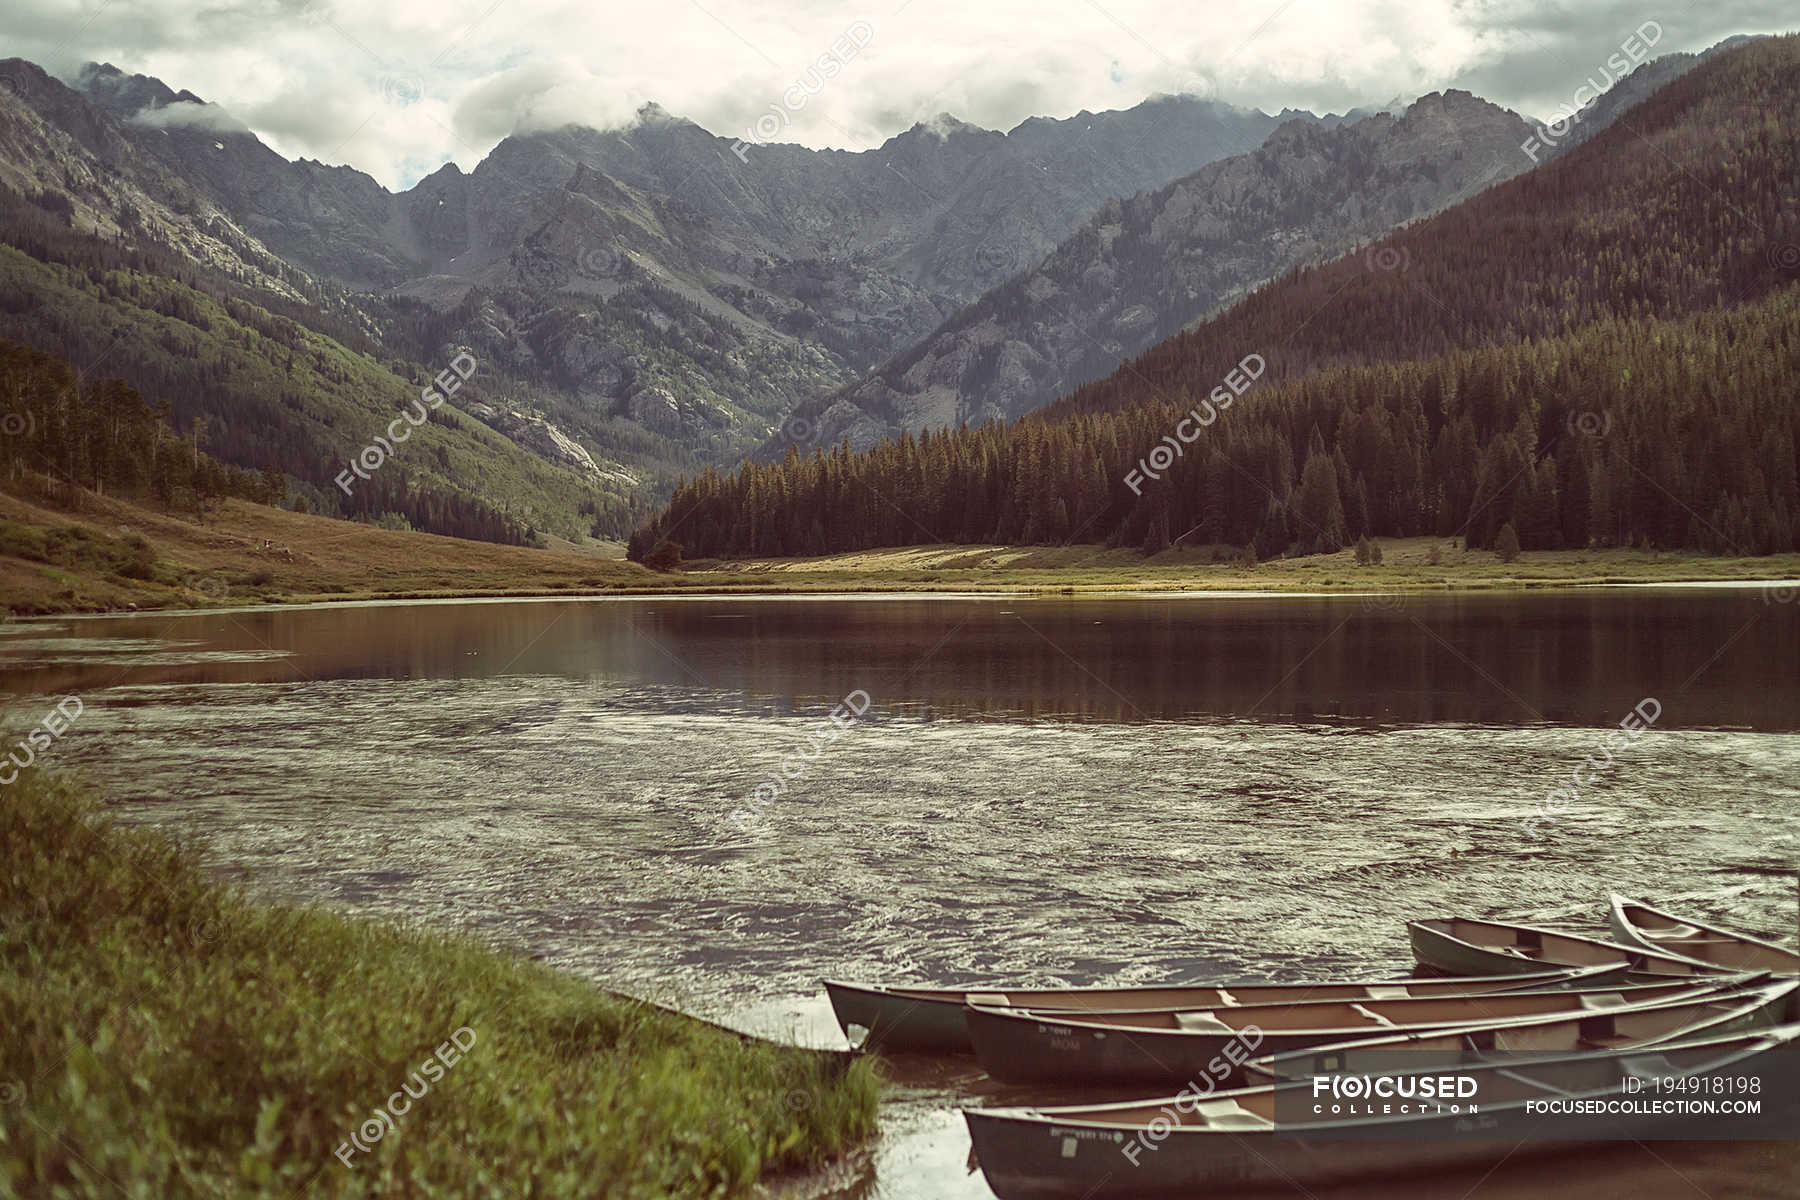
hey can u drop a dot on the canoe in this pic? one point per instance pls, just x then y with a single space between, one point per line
930 1020
1466 947
1229 1143
1170 1049
1712 1014
1635 923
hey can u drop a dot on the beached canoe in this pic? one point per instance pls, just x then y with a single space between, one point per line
930 1020
1467 947
1759 1004
1170 1049
1230 1143
1635 923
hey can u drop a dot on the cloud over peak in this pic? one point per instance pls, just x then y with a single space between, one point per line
398 89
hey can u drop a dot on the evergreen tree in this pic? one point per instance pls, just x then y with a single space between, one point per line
1506 543
1319 507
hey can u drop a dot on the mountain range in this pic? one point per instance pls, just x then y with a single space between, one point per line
645 303
1143 267
645 275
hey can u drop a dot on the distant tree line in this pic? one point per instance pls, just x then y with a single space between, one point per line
389 491
1631 432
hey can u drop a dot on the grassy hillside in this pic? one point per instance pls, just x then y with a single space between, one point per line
110 554
167 1035
274 393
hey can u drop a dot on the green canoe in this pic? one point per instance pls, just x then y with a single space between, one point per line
1635 923
1462 946
930 1020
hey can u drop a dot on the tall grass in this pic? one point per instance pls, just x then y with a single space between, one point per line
163 1035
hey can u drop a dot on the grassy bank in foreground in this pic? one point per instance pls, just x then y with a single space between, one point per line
110 555
166 1036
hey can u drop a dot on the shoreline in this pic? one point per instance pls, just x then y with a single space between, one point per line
890 593
110 557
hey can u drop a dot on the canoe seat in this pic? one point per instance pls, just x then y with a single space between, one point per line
988 999
1391 992
1607 1041
1671 933
1508 949
1229 1114
1680 943
1202 1022
1601 1000
1372 1015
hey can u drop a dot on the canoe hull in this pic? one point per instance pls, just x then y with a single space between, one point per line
1021 1046
1231 1142
1634 923
1432 949
1036 1049
1042 1161
1723 1014
900 1024
903 1020
1451 952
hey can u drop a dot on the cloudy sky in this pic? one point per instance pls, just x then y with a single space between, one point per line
398 87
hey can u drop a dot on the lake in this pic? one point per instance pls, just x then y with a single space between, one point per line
653 793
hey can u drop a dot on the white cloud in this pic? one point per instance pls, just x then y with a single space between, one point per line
185 114
541 94
389 87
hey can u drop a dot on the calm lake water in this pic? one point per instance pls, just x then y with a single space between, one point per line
1047 790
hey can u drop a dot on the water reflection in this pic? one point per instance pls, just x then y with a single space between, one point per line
1714 658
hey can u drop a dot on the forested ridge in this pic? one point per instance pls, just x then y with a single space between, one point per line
276 386
102 435
1689 202
60 432
275 383
1605 351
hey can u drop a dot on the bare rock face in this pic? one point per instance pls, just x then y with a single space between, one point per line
549 441
656 408
536 434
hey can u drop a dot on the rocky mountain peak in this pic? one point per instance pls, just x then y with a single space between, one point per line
945 125
127 95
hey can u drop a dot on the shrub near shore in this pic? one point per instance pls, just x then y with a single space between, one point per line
168 1036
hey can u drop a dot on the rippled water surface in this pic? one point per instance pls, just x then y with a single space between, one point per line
1044 790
